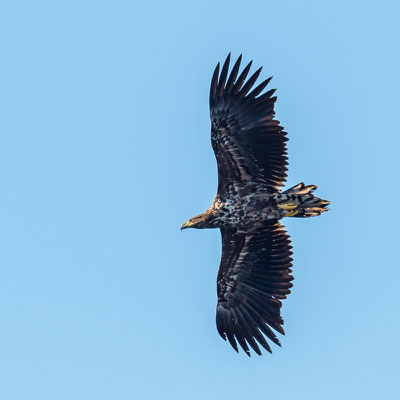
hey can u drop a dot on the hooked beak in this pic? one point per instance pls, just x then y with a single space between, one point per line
187 224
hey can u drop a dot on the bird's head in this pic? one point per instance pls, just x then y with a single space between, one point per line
201 221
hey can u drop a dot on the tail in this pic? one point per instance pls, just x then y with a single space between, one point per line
299 201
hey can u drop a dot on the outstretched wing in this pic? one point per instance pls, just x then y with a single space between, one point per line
249 144
254 275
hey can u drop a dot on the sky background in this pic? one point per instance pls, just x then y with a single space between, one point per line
105 151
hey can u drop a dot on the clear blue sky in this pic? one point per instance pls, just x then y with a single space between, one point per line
105 151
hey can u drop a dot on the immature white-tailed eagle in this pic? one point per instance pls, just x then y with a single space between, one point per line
250 147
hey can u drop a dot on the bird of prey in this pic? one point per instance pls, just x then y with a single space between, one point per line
250 148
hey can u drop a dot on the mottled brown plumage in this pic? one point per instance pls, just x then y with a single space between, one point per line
250 148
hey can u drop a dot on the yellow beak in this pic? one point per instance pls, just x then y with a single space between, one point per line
187 224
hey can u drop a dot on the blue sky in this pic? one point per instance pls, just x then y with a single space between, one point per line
105 151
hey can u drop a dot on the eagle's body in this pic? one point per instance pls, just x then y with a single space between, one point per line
250 147
249 212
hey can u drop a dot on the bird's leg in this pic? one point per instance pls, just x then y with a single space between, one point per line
291 213
287 206
290 208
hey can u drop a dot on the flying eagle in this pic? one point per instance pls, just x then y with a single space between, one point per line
250 148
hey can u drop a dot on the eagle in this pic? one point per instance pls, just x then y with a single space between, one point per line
255 272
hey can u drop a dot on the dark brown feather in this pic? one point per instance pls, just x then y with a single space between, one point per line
233 75
255 272
249 144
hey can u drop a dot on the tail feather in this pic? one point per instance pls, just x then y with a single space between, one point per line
305 204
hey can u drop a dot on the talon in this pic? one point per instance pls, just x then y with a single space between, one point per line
287 206
291 213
